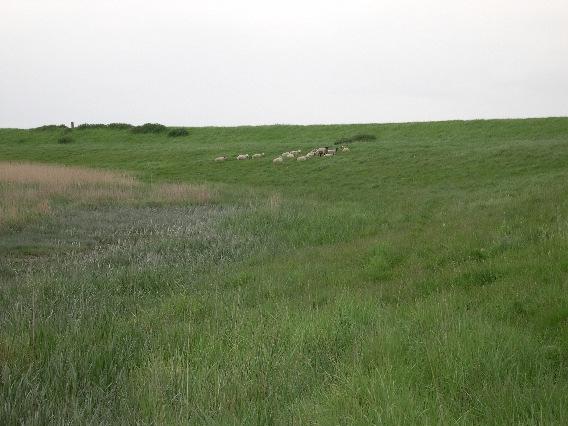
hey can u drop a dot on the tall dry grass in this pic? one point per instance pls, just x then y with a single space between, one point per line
60 177
28 190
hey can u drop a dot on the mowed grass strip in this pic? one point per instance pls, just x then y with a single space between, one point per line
420 278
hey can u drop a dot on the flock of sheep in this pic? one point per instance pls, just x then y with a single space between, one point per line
316 152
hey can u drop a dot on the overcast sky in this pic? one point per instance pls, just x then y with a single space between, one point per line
230 62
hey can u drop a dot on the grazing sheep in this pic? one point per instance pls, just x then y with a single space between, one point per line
332 151
288 155
294 153
222 158
321 151
278 160
243 157
302 158
309 154
328 155
258 155
345 149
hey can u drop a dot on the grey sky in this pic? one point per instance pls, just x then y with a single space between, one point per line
261 62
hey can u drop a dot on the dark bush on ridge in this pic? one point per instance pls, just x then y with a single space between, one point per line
361 137
90 126
149 128
120 126
115 126
51 127
178 132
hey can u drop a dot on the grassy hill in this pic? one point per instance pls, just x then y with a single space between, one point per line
420 278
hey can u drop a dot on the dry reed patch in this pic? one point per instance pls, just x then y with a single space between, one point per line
28 190
60 177
20 204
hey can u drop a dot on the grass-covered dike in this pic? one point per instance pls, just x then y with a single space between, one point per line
420 278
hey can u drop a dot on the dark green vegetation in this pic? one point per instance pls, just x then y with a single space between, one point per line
51 127
361 137
115 126
420 278
65 139
151 128
180 131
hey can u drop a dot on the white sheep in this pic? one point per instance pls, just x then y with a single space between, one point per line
296 152
278 160
328 155
288 155
222 158
345 149
258 155
243 157
302 158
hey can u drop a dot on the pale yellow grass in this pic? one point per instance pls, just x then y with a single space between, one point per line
60 177
28 190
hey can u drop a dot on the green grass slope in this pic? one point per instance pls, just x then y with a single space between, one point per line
420 278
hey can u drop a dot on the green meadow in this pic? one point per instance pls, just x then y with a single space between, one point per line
421 278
